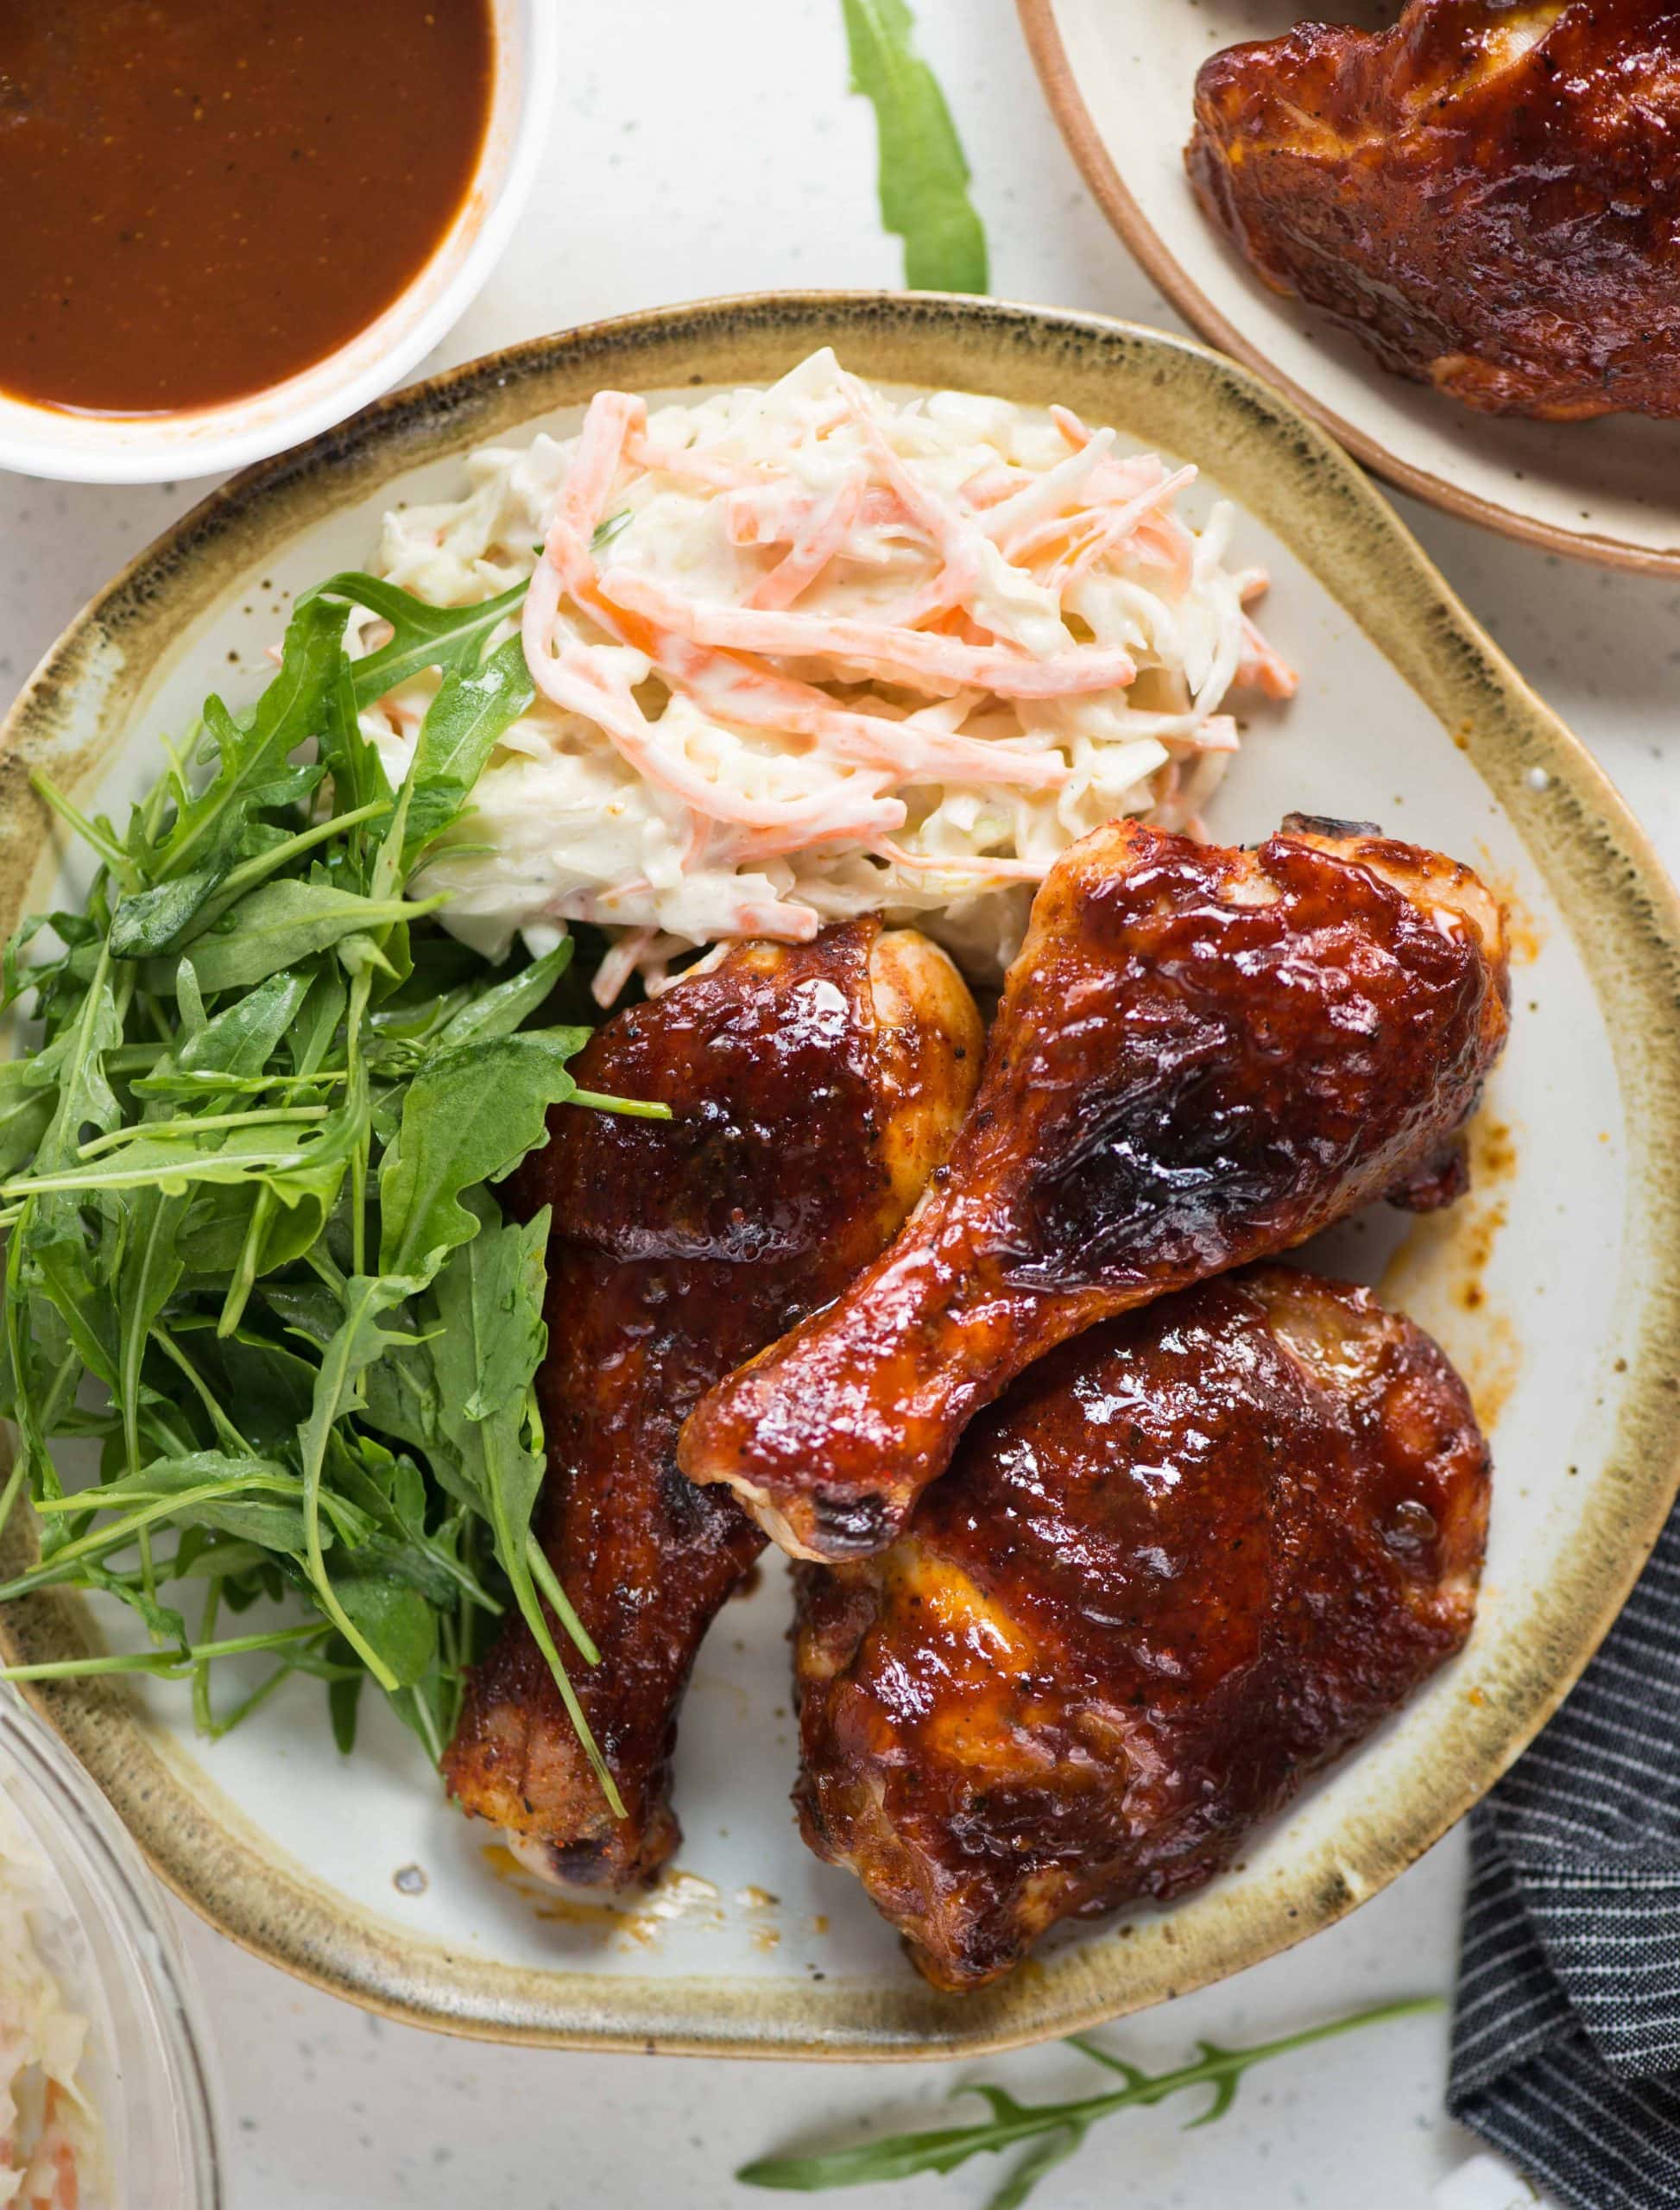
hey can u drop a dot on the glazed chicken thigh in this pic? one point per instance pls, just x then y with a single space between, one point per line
814 1088
1203 1056
1190 1558
1487 194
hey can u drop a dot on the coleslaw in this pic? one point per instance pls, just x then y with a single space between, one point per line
50 2153
812 651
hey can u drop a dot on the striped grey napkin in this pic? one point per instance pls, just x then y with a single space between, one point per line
1566 2039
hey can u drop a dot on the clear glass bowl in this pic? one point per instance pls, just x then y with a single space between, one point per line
122 1967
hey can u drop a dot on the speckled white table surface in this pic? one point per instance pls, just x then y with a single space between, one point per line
712 149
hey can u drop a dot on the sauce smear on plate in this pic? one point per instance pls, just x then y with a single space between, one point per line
206 195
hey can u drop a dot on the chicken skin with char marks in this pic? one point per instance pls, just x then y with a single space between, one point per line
1203 1056
1188 1560
814 1088
1488 195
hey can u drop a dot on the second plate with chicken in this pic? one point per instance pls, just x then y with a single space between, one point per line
1388 171
971 1300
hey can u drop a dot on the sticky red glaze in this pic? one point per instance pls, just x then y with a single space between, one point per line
206 195
1505 225
678 1250
1202 1056
1190 1558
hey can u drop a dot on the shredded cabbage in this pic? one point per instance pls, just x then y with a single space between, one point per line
49 2139
814 650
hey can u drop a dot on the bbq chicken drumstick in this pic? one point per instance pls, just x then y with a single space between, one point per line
814 1088
1203 1056
1188 1560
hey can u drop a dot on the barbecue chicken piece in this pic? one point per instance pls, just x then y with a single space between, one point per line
1190 1558
1202 1056
1488 195
815 1088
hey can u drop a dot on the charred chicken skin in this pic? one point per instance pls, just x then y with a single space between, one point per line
1203 1056
1487 194
814 1088
1188 1559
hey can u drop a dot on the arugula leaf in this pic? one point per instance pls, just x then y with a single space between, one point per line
162 1622
292 709
279 925
253 1498
272 1386
1054 2129
86 1099
923 177
174 1163
62 1263
499 1011
359 1340
402 1400
146 1280
18 978
27 1106
310 1038
391 1625
1049 2150
446 637
244 1036
270 850
164 1664
259 1063
151 920
470 1116
358 775
486 1353
343 1696
41 1372
463 726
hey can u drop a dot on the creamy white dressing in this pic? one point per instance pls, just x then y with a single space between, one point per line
815 651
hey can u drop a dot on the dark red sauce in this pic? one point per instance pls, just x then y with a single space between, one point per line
202 197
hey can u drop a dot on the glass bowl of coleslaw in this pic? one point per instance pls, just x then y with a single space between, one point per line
105 2099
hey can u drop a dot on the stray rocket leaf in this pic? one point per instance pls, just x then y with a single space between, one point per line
923 175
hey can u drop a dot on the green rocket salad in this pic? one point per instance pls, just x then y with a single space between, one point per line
253 1252
253 1258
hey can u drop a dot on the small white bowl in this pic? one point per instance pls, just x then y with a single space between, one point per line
203 441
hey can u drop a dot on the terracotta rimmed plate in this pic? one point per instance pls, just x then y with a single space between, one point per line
1120 79
1558 1287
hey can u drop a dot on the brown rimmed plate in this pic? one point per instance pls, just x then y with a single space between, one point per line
1120 79
1557 1286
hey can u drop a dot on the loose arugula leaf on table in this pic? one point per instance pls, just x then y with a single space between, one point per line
1051 2132
923 176
251 1253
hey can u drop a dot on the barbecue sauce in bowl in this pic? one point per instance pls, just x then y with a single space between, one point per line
204 197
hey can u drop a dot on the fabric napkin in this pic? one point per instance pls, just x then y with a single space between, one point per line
1566 2036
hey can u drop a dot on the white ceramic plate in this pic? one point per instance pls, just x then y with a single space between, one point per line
1554 1285
1120 75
